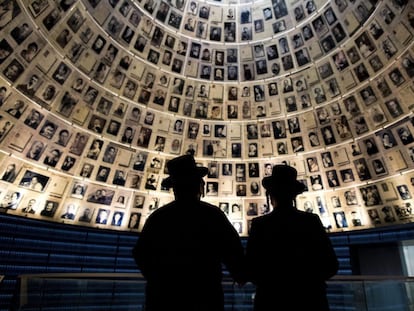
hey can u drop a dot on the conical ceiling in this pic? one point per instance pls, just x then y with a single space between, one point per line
97 95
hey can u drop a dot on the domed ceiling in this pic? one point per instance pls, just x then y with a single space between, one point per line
97 95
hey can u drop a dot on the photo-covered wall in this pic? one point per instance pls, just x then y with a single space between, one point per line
96 96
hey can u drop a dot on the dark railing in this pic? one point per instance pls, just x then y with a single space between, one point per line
125 291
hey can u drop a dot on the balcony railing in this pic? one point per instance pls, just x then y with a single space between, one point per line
122 292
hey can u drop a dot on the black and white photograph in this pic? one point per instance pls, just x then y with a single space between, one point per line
100 195
49 208
5 50
21 32
13 70
34 181
62 73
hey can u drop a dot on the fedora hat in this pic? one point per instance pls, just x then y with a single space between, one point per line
183 168
283 180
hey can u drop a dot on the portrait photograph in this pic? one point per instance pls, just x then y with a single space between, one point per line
139 201
117 218
134 221
52 156
407 63
151 181
394 107
102 173
405 135
119 178
376 63
133 180
370 195
5 50
13 70
36 7
34 181
252 209
100 72
79 143
78 190
21 32
49 208
362 170
75 50
61 73
48 129
104 105
11 11
351 197
85 214
11 171
69 212
396 77
116 79
347 175
100 195
368 95
75 20
35 150
102 216
212 188
97 124
46 94
340 220
191 148
15 106
404 192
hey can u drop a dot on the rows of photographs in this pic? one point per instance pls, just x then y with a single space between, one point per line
95 151
129 125
323 127
290 49
57 84
206 59
46 138
65 90
390 151
347 195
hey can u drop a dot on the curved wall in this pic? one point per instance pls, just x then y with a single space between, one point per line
97 95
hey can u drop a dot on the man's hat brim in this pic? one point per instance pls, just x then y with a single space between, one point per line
283 180
168 182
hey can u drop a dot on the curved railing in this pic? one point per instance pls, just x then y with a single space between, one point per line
125 291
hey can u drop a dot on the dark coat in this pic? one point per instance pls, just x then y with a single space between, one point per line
180 252
289 258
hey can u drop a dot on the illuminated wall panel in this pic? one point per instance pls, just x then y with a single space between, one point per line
97 95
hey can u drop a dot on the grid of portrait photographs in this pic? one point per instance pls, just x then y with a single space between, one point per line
96 96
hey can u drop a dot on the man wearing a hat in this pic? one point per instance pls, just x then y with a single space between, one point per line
289 255
183 245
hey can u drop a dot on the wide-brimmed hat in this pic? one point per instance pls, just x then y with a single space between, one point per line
183 168
283 180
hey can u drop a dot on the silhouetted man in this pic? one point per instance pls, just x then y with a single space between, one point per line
289 255
183 245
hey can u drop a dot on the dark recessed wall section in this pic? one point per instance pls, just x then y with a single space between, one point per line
377 259
32 246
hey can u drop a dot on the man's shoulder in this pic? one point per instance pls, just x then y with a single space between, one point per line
261 219
162 209
209 206
307 217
